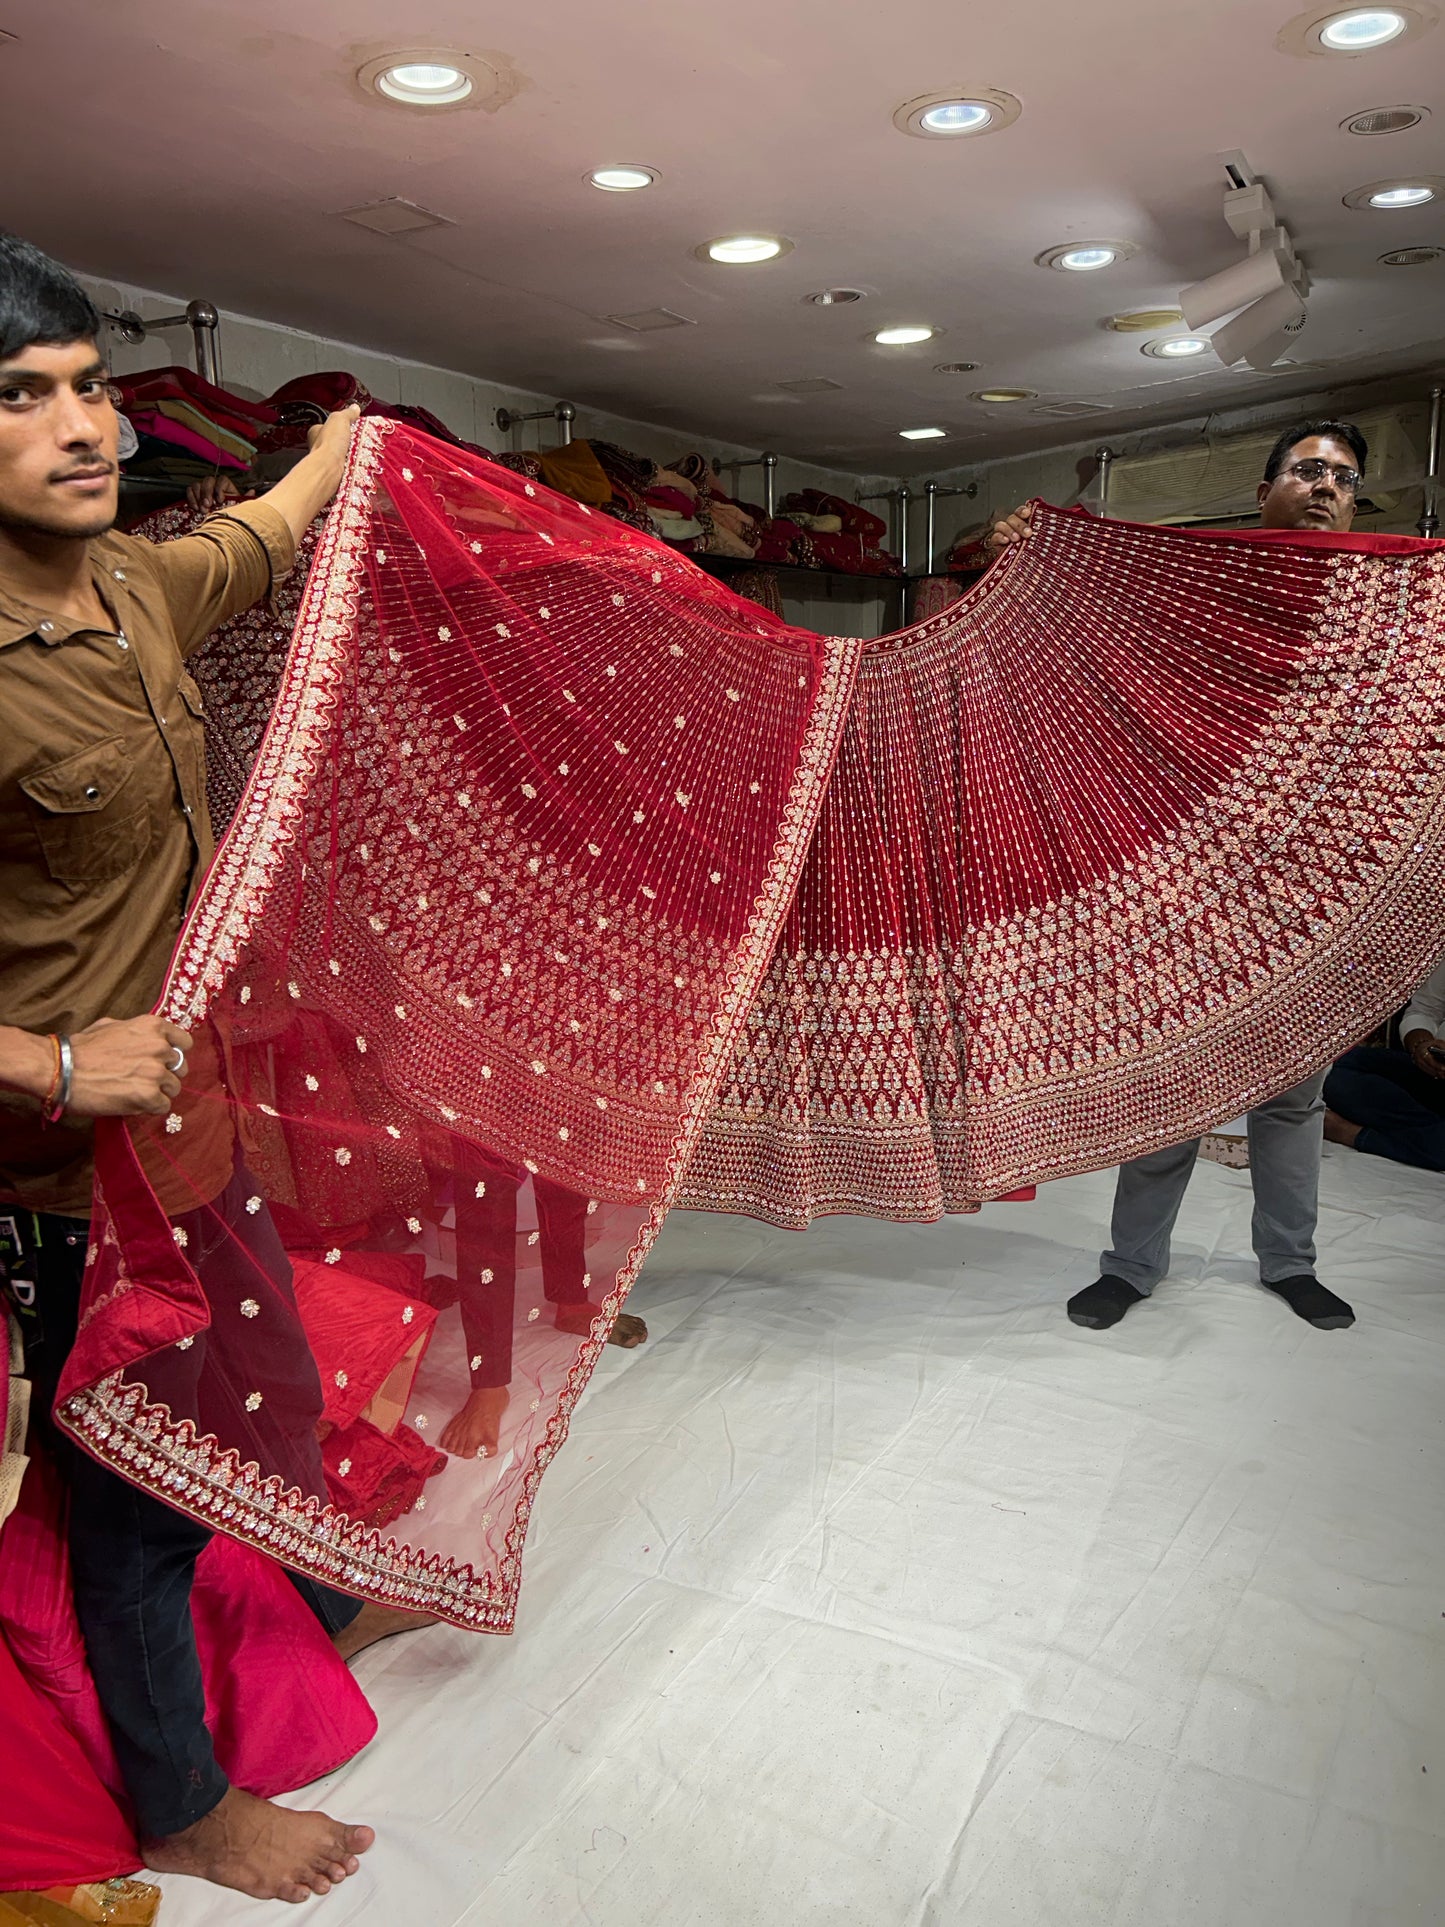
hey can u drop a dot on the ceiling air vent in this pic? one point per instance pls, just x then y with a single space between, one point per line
812 385
395 217
1068 410
954 367
1412 257
647 320
1384 120
1145 321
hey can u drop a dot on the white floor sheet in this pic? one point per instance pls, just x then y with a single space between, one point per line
873 1591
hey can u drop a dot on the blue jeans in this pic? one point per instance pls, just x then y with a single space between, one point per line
1285 1136
1401 1110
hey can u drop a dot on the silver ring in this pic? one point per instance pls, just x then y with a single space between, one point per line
178 1061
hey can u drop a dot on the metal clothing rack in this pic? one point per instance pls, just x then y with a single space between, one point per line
1429 522
564 414
199 316
902 498
768 463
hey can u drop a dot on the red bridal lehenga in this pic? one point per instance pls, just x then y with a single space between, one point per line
561 886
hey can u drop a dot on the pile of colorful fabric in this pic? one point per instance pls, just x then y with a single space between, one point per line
820 531
186 429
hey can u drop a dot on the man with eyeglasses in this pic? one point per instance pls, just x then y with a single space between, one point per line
1311 481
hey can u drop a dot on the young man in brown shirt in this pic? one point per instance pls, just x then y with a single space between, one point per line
104 838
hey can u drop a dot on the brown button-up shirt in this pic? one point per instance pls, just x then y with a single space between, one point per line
104 833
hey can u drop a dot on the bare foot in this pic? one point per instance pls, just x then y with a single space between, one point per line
375 1622
627 1331
477 1427
262 1850
1339 1130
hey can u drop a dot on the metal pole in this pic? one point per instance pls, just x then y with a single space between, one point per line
1105 458
566 415
770 483
931 493
205 327
1429 522
905 498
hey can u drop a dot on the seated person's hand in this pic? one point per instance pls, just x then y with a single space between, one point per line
211 494
1007 530
1427 1052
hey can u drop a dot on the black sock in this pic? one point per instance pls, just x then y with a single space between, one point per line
1103 1303
1309 1298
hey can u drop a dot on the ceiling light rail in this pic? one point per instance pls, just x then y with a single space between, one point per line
200 317
563 413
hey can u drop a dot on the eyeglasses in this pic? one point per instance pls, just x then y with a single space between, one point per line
1347 480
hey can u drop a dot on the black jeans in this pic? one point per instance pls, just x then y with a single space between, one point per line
1401 1109
132 1558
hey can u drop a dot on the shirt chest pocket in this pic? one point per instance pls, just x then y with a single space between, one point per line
90 825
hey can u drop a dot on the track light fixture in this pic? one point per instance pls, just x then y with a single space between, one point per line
1264 293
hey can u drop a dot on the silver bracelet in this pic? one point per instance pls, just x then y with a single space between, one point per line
67 1078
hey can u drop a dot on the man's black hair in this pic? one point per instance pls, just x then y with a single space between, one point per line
40 301
1345 432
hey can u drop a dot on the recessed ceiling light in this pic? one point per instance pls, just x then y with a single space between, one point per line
1335 32
957 116
1415 195
436 77
424 83
1084 257
834 297
1360 29
954 367
903 337
741 250
1383 197
622 178
923 434
1411 257
1175 347
1000 395
1385 120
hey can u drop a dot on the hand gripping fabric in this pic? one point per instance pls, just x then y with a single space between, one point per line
562 872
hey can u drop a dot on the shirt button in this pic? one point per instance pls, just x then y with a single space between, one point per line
121 643
91 791
120 575
46 627
185 809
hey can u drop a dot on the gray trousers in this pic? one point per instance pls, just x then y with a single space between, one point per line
1285 1136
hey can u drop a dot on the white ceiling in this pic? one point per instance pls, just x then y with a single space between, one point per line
207 147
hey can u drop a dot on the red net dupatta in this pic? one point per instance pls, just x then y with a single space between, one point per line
518 842
565 886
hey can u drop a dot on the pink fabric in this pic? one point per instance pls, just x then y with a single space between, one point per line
282 1707
150 421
